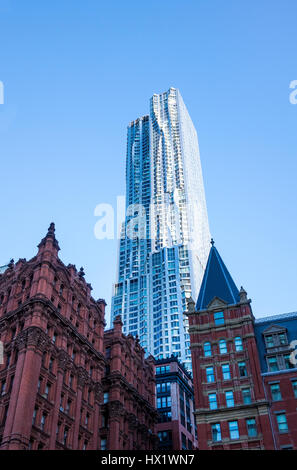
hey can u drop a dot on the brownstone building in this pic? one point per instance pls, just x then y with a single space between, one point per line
65 384
129 393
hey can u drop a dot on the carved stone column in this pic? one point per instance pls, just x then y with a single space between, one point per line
63 358
82 377
116 411
31 343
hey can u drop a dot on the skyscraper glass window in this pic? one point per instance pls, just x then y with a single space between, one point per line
165 237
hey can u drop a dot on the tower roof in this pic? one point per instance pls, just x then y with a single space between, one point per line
217 282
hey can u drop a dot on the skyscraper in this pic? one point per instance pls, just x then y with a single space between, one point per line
165 236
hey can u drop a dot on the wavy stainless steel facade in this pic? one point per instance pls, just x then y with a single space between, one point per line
163 264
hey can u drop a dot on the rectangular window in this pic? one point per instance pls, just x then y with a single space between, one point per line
226 371
216 432
294 385
184 441
3 386
103 444
223 346
207 349
275 392
242 369
272 363
251 427
282 422
288 363
238 344
229 399
105 397
246 396
282 338
42 422
233 430
212 398
66 430
269 341
34 415
219 318
210 374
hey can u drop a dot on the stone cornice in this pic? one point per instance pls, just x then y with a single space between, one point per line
236 412
233 323
63 320
215 307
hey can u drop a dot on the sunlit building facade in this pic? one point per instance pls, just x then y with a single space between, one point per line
165 236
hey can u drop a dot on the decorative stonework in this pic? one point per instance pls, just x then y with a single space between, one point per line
82 377
33 336
116 409
63 360
98 392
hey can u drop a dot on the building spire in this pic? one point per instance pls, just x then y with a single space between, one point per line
217 282
51 230
50 236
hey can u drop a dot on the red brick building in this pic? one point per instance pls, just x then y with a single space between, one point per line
129 393
65 384
175 403
232 408
275 339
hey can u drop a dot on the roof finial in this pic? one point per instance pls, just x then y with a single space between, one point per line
81 272
212 242
51 229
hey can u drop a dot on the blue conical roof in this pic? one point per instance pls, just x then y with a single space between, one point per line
217 282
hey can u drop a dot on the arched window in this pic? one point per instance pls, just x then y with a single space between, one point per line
223 346
207 349
238 343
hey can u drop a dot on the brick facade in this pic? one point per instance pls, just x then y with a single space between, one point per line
56 374
279 374
236 359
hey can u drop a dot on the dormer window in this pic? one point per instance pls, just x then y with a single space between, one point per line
269 341
275 336
282 338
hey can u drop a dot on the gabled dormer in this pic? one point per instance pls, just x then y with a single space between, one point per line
275 336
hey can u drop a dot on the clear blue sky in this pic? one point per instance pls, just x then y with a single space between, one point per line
76 72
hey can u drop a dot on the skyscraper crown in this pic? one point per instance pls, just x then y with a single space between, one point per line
217 282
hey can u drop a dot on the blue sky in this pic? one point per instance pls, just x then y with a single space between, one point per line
76 72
